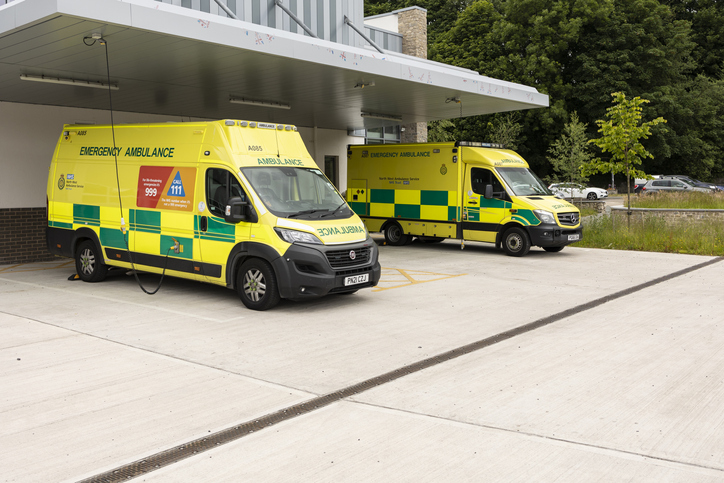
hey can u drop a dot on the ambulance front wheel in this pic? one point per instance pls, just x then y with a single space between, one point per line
257 285
89 263
395 236
516 242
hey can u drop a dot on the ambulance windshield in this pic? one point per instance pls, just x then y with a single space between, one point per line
297 192
523 182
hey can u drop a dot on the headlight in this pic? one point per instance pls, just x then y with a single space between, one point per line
291 236
545 216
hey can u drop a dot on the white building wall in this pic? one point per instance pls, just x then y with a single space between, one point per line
29 133
385 22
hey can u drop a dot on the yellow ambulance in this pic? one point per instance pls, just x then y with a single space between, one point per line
234 203
463 190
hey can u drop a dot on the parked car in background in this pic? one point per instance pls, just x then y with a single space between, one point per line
576 190
639 183
671 184
692 181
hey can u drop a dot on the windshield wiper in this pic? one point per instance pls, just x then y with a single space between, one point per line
305 212
344 203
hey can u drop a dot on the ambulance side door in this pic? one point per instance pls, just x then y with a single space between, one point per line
217 237
482 216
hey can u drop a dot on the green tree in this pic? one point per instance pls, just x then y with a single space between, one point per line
505 129
529 42
440 131
620 136
570 152
707 27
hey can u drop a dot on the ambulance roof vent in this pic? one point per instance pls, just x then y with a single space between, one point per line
230 123
243 123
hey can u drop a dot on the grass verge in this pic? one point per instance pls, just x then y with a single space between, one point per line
680 199
654 235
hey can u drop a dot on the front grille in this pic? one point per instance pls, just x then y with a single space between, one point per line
341 259
570 219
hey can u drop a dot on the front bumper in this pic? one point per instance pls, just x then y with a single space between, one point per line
308 271
549 235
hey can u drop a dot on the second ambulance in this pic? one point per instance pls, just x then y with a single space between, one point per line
462 190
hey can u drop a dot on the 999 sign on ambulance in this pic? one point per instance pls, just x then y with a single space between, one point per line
234 203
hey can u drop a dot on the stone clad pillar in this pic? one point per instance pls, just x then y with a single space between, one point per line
412 24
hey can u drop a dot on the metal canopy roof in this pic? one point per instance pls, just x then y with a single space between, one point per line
175 61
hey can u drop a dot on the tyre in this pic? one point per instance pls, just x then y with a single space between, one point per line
394 235
553 249
592 196
256 285
89 263
516 242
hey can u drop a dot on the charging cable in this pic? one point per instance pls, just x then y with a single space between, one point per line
90 41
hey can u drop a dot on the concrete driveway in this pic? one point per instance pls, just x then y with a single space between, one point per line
463 365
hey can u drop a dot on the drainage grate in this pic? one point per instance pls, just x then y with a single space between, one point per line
178 453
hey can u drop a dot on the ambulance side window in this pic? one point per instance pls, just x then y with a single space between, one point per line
479 177
221 185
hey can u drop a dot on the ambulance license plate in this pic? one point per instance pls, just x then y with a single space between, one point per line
575 237
355 279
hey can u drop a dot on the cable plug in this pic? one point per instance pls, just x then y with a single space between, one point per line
176 245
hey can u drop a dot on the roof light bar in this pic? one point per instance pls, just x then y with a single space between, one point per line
68 82
480 145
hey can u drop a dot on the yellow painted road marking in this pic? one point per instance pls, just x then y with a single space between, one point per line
399 277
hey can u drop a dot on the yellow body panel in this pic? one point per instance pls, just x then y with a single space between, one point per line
161 172
427 189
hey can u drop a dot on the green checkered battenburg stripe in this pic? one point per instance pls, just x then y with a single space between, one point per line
394 208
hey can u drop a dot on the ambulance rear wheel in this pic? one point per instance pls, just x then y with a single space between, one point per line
515 242
89 263
395 236
257 285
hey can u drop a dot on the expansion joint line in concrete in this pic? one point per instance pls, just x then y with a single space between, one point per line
187 450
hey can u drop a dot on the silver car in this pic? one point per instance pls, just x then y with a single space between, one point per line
670 184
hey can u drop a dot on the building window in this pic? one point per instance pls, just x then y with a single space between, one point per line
331 169
383 135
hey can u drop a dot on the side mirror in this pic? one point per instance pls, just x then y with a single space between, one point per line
488 191
236 210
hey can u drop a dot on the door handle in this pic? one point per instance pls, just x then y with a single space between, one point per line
203 223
